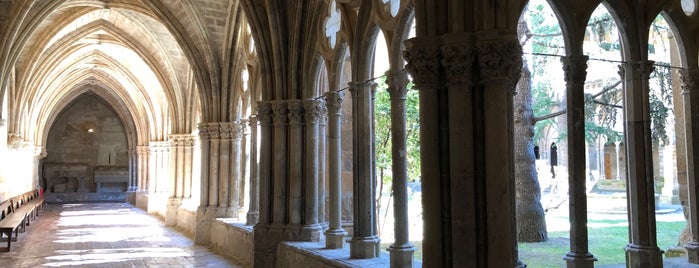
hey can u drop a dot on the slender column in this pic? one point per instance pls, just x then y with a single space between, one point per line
500 63
188 159
264 169
179 182
689 79
617 147
253 207
142 168
279 166
642 251
423 62
204 140
314 110
335 235
224 167
364 243
401 249
244 163
575 68
322 171
154 167
236 175
133 170
296 171
214 131
172 145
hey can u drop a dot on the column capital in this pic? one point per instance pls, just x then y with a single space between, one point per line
264 112
203 131
334 101
499 58
356 85
643 68
295 112
181 140
459 52
314 110
280 112
252 121
214 130
397 81
423 57
689 80
237 130
142 150
575 69
226 130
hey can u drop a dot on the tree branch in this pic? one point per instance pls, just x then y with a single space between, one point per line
608 104
548 116
607 88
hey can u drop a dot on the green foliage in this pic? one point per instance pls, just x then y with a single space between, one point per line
382 121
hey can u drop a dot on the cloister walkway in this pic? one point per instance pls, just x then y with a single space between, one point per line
105 235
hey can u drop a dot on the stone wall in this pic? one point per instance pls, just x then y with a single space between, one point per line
234 240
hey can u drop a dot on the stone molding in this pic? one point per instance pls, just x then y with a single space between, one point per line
296 111
280 112
315 110
459 54
500 59
397 81
181 140
143 150
423 57
689 80
575 69
333 100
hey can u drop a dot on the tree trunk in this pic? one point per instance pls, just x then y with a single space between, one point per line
531 220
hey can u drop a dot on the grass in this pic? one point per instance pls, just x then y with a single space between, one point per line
606 243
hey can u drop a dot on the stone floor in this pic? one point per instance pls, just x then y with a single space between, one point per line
105 235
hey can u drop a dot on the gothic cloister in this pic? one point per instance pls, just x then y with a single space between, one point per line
248 124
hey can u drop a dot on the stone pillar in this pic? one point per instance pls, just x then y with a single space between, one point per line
401 250
314 111
279 165
689 79
423 55
188 161
253 207
575 68
642 251
617 161
335 235
224 168
204 211
322 171
296 170
264 169
133 170
244 164
500 63
236 168
142 169
214 131
364 243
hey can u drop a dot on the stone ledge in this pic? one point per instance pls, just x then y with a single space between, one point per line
233 239
314 254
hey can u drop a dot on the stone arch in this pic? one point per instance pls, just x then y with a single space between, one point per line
678 22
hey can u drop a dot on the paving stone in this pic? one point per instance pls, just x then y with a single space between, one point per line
105 235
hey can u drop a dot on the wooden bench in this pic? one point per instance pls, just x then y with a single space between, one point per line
16 214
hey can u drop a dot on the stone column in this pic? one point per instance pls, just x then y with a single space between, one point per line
642 251
133 170
175 144
236 168
500 63
322 171
314 110
364 243
204 211
142 152
335 235
575 68
214 131
401 249
689 79
296 170
224 168
264 169
617 160
279 165
253 207
245 142
188 161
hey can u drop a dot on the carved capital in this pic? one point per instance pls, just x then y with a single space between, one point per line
423 61
334 101
689 80
500 59
295 112
237 130
315 110
397 81
225 129
459 58
356 87
280 112
264 112
203 131
252 121
575 69
14 141
214 130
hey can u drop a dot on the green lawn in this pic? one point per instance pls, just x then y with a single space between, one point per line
606 244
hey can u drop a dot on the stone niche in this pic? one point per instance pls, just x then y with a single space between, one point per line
65 177
111 178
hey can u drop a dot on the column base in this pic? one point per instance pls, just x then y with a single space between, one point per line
173 205
335 238
692 252
252 218
401 255
202 231
364 247
579 260
643 257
